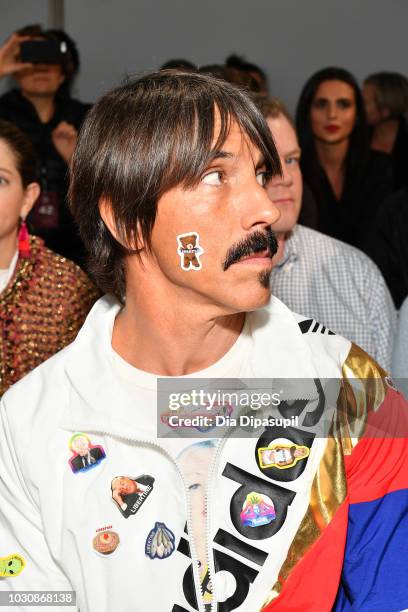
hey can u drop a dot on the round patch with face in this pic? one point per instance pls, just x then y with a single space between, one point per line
11 566
106 542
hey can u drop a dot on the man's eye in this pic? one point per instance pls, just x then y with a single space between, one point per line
291 161
213 178
263 178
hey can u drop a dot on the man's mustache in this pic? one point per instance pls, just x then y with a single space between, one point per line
255 243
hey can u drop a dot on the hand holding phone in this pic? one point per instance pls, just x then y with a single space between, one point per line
10 54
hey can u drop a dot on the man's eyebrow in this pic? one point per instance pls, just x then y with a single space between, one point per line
217 154
227 155
296 151
5 170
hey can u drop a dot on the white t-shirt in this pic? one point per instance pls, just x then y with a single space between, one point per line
194 456
6 274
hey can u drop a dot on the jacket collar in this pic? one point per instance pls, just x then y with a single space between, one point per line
99 402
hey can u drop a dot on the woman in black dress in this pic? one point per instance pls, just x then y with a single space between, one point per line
347 179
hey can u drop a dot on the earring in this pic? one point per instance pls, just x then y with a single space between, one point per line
23 240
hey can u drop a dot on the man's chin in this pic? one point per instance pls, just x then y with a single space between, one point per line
265 280
259 297
288 219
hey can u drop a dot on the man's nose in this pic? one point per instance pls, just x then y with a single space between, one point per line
258 209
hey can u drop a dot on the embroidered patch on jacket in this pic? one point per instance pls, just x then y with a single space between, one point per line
85 455
257 510
189 250
282 456
11 566
106 541
129 494
310 326
160 542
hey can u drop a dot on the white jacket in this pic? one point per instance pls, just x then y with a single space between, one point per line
50 515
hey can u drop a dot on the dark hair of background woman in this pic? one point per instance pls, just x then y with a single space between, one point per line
359 149
22 150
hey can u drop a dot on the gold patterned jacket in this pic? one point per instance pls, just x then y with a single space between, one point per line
41 310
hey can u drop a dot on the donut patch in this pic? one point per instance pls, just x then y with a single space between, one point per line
106 542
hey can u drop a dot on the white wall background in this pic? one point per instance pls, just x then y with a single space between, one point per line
290 39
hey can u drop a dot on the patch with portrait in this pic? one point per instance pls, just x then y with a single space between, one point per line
281 456
85 455
130 493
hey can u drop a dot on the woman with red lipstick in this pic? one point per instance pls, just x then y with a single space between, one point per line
348 180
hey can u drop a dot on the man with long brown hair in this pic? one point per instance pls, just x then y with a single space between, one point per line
167 155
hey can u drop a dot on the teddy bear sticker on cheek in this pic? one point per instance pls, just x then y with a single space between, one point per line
190 251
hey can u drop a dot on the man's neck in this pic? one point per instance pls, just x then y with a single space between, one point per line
8 247
166 334
44 105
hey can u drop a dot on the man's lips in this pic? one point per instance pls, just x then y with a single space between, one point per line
260 257
255 249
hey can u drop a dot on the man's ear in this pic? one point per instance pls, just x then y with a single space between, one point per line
31 193
106 212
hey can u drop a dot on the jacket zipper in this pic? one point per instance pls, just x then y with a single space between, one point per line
194 558
209 551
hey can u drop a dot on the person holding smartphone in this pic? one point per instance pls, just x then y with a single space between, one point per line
42 65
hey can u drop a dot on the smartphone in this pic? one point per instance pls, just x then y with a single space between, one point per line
43 51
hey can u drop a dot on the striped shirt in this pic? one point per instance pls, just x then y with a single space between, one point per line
339 286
